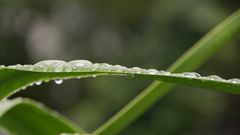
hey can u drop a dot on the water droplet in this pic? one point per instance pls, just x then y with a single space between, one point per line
152 71
28 67
94 76
214 77
162 72
105 66
234 80
119 68
78 65
50 65
2 66
38 82
190 74
136 70
18 66
58 81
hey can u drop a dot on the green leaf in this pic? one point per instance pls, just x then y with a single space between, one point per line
191 60
14 78
26 117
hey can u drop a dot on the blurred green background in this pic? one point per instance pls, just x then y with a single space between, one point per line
144 33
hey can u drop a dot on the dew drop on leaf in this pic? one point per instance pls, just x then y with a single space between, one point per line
152 71
190 74
214 77
50 65
80 63
58 81
162 72
234 80
38 82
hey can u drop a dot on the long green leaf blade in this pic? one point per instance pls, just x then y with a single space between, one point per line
191 60
26 117
14 79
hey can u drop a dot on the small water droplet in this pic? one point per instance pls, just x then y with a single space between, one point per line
58 81
214 77
105 66
118 68
38 82
162 72
94 76
28 67
136 70
234 80
190 74
152 71
2 66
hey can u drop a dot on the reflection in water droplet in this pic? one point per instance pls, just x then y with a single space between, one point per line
58 81
38 83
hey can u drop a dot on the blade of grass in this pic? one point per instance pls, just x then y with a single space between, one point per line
13 80
26 117
192 59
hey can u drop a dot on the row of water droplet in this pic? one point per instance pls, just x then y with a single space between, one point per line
87 66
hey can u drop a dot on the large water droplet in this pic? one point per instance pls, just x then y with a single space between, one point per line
234 80
78 65
38 83
58 81
152 71
50 65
